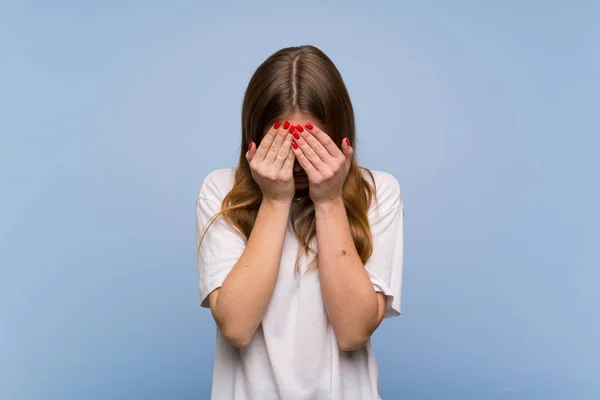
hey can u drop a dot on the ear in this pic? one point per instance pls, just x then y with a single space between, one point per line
251 151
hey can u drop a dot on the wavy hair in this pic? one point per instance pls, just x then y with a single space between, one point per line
299 79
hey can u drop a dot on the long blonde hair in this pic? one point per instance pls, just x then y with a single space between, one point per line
298 79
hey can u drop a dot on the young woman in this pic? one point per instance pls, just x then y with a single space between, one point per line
299 248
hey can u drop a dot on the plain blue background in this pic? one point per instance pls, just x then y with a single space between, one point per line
486 112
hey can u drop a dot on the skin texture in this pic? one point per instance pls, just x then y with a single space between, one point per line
353 307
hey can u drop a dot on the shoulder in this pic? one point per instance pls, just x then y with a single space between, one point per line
388 192
217 184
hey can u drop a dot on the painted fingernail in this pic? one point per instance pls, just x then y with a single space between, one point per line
308 125
296 135
292 129
277 125
286 125
299 128
294 145
251 144
347 141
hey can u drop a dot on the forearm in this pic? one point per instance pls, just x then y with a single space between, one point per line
348 294
244 296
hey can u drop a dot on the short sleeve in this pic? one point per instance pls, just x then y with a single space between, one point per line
386 262
221 248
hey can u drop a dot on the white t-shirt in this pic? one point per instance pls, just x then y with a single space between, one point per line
294 354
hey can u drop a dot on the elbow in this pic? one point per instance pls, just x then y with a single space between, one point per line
237 337
239 342
354 340
353 343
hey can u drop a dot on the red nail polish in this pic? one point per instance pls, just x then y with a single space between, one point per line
296 135
294 145
286 125
251 144
299 128
277 125
308 125
347 141
292 129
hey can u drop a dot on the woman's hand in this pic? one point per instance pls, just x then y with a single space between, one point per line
325 164
272 164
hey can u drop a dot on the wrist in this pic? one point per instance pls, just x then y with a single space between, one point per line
328 206
277 203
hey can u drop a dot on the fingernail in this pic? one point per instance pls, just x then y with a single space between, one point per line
308 125
347 141
296 135
251 144
294 145
286 125
277 125
299 128
292 129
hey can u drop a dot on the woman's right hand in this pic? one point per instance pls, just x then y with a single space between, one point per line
272 164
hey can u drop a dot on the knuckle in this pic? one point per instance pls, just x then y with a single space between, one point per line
261 171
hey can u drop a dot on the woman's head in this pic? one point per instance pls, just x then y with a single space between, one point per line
298 84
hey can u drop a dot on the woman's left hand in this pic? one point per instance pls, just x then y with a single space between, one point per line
325 164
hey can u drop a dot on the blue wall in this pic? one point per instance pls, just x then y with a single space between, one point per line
486 112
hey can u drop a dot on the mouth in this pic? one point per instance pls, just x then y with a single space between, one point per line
300 177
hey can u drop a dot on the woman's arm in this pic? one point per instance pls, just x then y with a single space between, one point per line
353 306
354 309
239 305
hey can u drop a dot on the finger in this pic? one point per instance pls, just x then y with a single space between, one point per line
267 140
314 144
324 139
308 167
308 152
284 151
288 165
347 150
278 140
251 152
